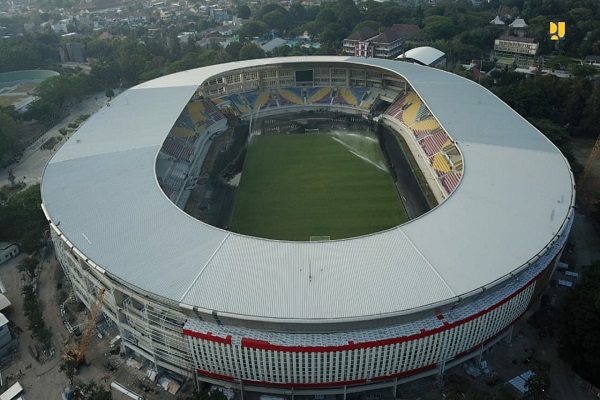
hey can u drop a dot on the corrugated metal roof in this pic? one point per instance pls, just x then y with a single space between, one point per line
514 196
424 54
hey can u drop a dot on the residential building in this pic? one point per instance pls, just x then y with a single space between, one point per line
514 49
367 42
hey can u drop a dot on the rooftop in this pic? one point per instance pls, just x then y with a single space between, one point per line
100 188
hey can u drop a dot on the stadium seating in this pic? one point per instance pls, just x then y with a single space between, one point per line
319 95
410 110
358 93
261 101
182 132
422 113
440 164
425 127
196 111
395 109
346 97
177 148
239 103
433 143
450 181
293 95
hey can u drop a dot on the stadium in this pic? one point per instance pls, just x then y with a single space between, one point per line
135 206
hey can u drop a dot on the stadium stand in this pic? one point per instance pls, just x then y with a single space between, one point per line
196 112
261 101
410 109
293 95
440 164
182 132
177 148
425 127
397 108
422 113
433 144
450 181
345 96
237 101
319 95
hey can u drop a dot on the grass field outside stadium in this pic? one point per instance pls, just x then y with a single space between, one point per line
336 184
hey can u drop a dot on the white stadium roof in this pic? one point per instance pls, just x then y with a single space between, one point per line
424 54
101 190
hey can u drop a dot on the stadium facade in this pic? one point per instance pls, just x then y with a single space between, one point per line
313 317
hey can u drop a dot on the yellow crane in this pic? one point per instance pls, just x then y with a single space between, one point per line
78 354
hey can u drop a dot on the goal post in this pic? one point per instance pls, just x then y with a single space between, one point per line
311 130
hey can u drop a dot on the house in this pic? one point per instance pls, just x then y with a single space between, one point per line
497 21
518 23
273 44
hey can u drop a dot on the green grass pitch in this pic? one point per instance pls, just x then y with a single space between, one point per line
297 186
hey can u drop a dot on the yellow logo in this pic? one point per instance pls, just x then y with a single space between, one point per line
557 30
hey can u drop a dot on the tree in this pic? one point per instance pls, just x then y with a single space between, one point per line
69 367
334 34
233 49
538 385
8 140
439 27
28 265
579 323
243 11
94 391
109 93
251 51
22 219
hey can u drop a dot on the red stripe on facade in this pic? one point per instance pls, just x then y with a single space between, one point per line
247 342
207 336
215 375
264 345
305 385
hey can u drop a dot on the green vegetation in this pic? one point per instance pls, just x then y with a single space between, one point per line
22 219
35 316
579 323
297 186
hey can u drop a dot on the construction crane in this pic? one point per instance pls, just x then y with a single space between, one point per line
586 169
78 355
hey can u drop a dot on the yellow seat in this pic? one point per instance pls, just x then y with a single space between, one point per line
440 163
